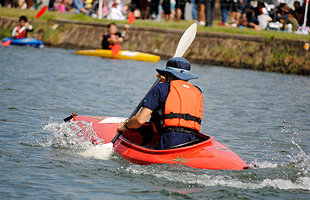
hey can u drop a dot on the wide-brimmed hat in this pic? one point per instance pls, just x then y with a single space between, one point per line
179 67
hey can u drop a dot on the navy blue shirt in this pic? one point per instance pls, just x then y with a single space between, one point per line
155 101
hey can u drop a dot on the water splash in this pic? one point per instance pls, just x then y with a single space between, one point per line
298 159
67 135
262 165
79 137
302 183
301 160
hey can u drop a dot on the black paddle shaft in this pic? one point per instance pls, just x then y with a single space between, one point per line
137 109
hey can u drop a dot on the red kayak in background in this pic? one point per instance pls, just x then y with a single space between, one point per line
204 152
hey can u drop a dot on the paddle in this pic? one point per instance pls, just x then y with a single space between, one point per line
131 18
186 40
117 47
6 43
39 14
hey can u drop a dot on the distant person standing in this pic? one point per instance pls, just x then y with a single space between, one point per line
224 6
21 30
209 4
194 11
299 13
29 3
154 6
144 9
2 3
236 11
167 9
179 9
201 12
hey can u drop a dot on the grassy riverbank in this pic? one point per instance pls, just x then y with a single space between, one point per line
12 12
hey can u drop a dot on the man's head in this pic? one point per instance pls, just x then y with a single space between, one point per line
112 28
22 20
116 2
296 5
243 22
179 67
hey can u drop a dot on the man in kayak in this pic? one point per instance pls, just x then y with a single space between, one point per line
175 106
112 37
21 30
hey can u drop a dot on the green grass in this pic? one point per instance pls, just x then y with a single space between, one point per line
5 32
270 35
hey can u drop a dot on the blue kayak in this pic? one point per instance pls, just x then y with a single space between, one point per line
25 42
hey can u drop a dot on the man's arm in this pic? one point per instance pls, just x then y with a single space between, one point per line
136 121
29 27
14 32
115 39
255 26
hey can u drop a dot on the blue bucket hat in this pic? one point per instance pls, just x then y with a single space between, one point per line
179 67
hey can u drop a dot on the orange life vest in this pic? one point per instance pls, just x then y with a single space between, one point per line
183 109
21 35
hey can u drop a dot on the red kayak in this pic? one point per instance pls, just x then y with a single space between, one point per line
203 152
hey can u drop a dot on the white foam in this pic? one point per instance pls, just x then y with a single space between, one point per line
301 183
102 152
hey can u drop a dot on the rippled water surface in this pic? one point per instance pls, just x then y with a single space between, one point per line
263 117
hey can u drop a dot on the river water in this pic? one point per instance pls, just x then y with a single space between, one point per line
263 117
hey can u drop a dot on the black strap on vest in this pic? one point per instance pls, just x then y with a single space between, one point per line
158 119
182 116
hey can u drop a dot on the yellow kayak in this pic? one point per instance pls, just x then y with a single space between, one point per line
122 54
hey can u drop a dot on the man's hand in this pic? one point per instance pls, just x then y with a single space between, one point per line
121 127
163 79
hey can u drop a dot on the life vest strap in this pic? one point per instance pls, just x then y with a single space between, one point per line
182 116
179 129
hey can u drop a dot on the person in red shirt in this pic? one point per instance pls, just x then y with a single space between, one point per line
21 30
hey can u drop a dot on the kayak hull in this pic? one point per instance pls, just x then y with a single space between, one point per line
209 154
122 54
205 154
25 42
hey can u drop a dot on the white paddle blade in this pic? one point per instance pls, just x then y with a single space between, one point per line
186 40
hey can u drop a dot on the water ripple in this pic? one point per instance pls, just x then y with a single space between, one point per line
263 117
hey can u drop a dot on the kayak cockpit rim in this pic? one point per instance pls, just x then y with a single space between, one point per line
201 140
